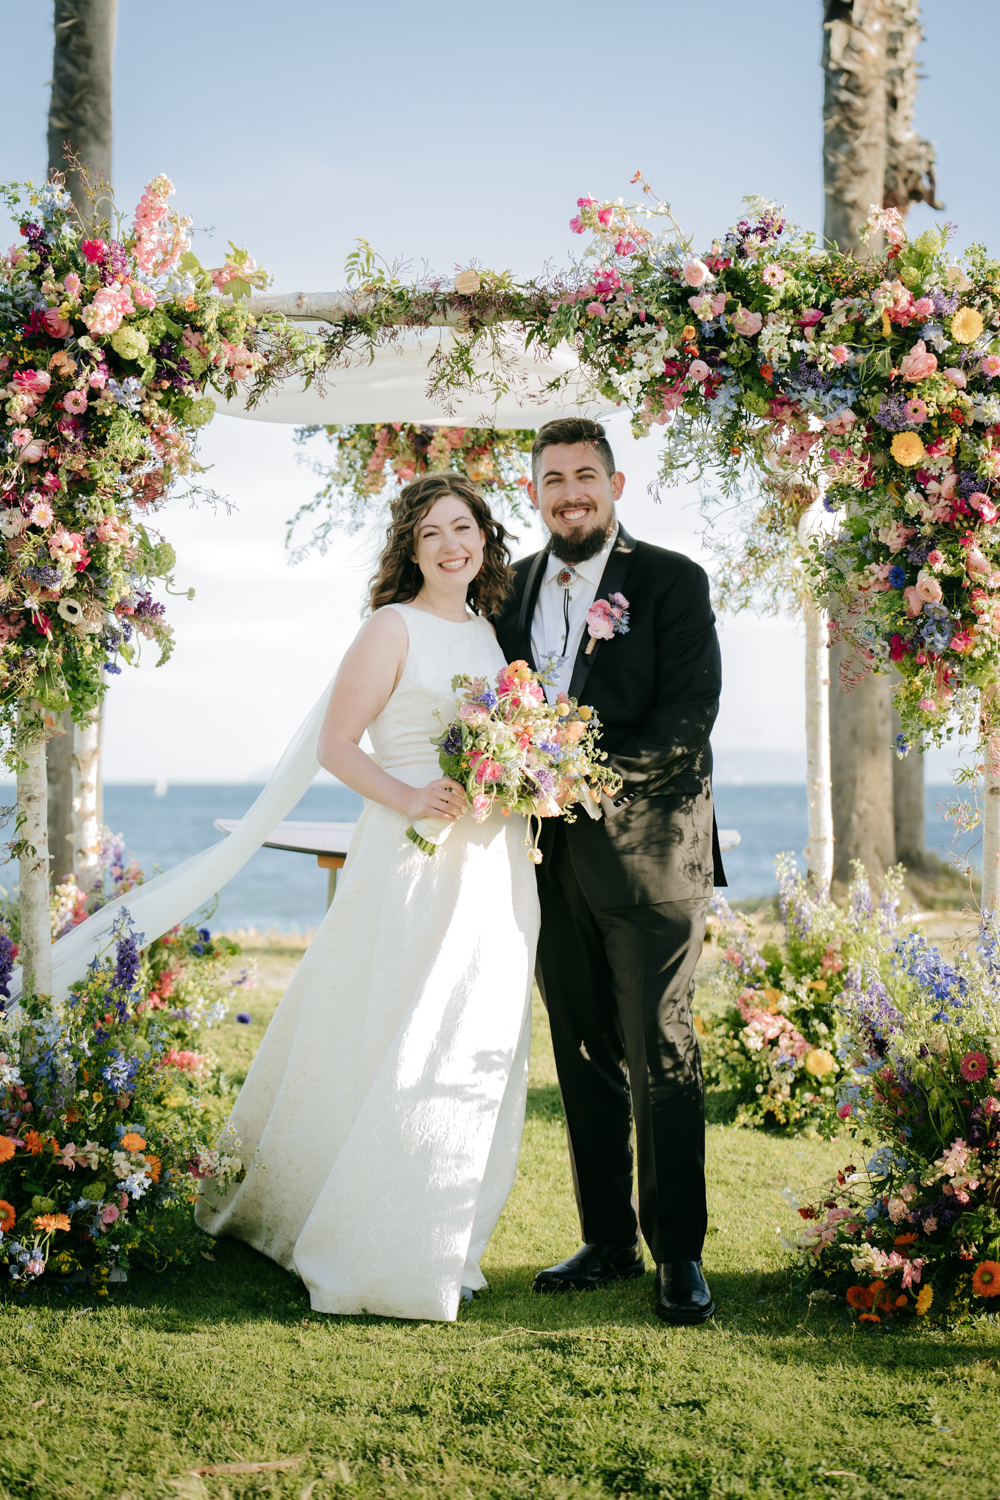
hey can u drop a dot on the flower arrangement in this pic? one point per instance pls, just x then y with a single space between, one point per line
873 381
106 1108
110 338
373 458
916 1230
770 1053
511 749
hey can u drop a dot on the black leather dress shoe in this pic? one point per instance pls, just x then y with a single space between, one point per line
682 1294
592 1266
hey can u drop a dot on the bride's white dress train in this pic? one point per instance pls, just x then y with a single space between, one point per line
381 1119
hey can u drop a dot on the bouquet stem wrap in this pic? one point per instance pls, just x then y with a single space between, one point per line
427 833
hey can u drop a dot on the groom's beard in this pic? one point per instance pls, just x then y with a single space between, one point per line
579 547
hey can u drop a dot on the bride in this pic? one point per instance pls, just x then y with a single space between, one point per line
382 1115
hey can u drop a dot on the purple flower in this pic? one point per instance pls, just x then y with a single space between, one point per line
897 577
244 1017
546 781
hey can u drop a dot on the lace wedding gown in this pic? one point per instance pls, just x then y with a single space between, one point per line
381 1119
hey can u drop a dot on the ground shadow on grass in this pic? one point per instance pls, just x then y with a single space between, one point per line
545 1103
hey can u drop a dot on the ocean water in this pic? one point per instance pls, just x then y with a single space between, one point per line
287 892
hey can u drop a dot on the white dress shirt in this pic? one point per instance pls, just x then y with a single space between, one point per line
560 616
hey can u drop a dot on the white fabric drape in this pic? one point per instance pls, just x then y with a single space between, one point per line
166 899
392 387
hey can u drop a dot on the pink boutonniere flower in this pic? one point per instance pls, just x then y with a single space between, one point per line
605 618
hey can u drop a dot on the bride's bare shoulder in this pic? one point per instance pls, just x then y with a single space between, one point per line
383 628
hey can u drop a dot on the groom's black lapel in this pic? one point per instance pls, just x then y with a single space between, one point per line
612 579
529 599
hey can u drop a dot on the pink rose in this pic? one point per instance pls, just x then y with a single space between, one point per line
919 363
841 422
928 589
55 325
696 273
922 308
32 452
914 603
698 370
35 381
599 621
746 322
957 377
840 354
75 402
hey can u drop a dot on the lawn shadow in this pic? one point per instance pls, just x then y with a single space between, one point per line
545 1103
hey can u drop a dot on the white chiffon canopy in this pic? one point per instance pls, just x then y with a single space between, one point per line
166 899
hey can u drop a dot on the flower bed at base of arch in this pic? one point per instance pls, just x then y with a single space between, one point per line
374 460
913 1231
107 1110
109 341
773 362
770 1053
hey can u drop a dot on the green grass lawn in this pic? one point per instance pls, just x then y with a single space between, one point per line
576 1396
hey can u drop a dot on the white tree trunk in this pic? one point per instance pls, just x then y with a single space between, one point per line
36 933
86 819
991 814
819 789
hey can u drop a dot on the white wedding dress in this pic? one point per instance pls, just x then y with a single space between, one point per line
381 1119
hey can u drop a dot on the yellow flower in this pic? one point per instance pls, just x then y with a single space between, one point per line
886 326
966 325
584 711
688 333
924 1299
907 448
819 1061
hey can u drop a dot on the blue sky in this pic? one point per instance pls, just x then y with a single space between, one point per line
445 133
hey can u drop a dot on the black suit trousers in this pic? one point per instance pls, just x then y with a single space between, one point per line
617 986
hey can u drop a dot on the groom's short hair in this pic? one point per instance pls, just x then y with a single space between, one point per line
572 430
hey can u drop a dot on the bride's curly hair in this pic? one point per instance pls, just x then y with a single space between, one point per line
398 579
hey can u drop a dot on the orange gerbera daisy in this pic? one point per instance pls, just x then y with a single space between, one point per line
986 1279
7 1148
7 1216
869 1318
155 1166
859 1296
904 1239
131 1141
47 1222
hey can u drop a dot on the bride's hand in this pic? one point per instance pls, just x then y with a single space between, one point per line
438 799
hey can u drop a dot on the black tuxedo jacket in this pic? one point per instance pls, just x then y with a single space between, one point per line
656 692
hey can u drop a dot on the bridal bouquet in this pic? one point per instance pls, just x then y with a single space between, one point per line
509 748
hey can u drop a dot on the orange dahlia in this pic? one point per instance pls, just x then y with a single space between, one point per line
986 1279
7 1216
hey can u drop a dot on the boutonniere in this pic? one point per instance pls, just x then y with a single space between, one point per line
605 618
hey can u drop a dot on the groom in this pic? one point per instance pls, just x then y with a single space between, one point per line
624 896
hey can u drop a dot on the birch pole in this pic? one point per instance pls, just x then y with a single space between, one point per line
991 814
86 816
33 861
819 785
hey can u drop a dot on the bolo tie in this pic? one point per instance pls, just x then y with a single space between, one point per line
565 579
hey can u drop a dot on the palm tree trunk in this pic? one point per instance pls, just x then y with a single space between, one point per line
80 123
855 151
